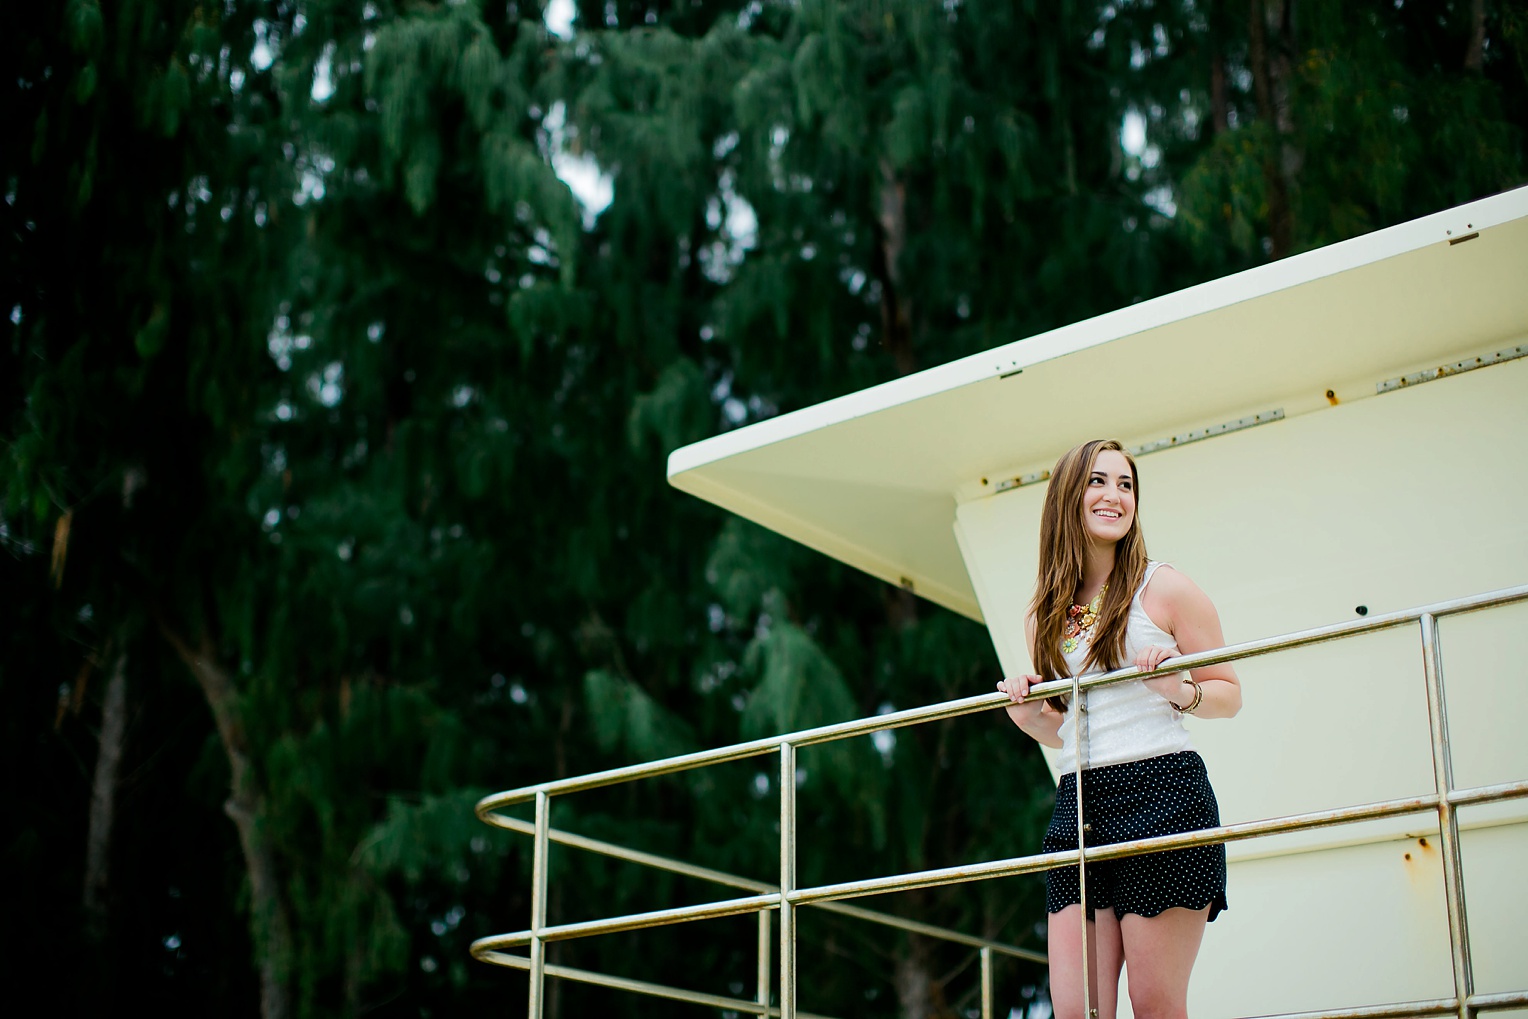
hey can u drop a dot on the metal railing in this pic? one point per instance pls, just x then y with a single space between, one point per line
786 897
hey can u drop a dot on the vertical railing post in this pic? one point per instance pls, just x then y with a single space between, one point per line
762 996
1079 704
986 983
787 881
1448 821
538 904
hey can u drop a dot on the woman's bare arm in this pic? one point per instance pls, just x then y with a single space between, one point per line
1187 613
1039 719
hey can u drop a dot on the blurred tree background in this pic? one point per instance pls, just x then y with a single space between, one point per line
334 428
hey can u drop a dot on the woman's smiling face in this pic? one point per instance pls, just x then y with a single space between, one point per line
1108 498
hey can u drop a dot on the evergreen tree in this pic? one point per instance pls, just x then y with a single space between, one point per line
1326 122
140 248
906 164
335 431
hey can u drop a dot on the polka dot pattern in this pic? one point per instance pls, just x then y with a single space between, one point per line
1137 800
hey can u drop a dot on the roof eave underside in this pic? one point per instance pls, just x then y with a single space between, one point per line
872 478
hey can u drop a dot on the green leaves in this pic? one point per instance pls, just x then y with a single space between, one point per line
85 83
352 389
798 687
1224 196
433 834
174 96
746 564
420 169
85 29
151 336
626 719
677 410
1366 109
907 133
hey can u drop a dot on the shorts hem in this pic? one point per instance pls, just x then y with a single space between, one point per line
1216 907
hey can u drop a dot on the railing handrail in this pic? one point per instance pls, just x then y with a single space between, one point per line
487 806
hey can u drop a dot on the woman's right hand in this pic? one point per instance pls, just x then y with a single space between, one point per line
1024 715
1040 719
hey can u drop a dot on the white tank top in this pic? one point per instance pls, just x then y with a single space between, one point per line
1126 721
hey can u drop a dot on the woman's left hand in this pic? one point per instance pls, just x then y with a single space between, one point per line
1169 685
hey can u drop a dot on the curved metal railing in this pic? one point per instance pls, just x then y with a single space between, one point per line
785 897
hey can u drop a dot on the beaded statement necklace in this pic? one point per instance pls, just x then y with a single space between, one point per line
1079 623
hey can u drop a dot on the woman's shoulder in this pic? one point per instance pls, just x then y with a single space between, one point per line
1170 591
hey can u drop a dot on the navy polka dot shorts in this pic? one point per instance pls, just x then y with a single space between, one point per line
1136 800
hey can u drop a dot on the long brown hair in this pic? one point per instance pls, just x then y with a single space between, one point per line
1063 550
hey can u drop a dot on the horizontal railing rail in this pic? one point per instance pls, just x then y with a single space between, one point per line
1408 1009
585 976
786 897
1395 1010
488 806
830 895
686 869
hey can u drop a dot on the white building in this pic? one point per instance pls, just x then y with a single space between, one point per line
1339 433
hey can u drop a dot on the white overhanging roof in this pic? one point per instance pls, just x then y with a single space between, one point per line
873 478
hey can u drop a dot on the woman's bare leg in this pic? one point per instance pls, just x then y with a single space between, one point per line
1160 952
1063 937
1109 960
1105 955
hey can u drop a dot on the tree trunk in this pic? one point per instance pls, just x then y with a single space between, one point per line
103 800
1219 110
270 925
1267 90
901 607
1220 117
1474 55
1068 149
554 955
896 316
914 982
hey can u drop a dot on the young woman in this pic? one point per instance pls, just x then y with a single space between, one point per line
1100 604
